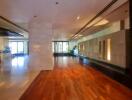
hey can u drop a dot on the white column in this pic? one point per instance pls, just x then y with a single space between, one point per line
40 45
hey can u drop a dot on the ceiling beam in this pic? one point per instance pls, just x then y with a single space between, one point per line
98 14
8 21
129 42
6 32
130 13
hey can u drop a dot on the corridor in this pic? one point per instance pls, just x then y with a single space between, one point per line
65 50
72 81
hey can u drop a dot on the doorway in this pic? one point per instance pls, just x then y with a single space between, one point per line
60 47
16 47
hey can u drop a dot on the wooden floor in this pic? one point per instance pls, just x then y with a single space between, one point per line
71 81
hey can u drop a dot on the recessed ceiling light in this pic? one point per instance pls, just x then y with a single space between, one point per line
56 3
35 16
78 17
80 35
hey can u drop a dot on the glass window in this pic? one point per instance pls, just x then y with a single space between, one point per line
60 47
13 47
16 47
52 46
20 47
65 47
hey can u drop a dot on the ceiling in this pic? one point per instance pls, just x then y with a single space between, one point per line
6 24
6 32
62 14
115 16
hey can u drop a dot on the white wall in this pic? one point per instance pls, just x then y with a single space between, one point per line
3 42
40 45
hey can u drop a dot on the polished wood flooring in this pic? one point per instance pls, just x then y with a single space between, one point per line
72 81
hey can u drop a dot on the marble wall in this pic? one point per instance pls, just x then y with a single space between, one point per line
40 45
90 48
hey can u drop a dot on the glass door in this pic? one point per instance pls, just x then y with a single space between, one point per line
20 47
16 47
13 47
60 46
65 47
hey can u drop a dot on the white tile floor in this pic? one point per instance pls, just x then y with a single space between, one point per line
15 77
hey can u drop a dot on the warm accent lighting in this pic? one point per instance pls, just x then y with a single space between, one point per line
108 49
103 22
80 35
78 17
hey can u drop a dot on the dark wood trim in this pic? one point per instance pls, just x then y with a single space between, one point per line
121 78
129 40
112 66
115 73
109 65
128 51
130 13
4 32
98 14
61 54
60 41
5 19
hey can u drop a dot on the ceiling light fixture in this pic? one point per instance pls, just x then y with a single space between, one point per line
96 16
80 35
56 3
78 17
34 16
102 22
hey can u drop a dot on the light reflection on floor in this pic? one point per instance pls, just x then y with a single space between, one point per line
15 77
19 64
18 61
63 62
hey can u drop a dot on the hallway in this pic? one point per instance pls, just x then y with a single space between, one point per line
72 81
65 50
